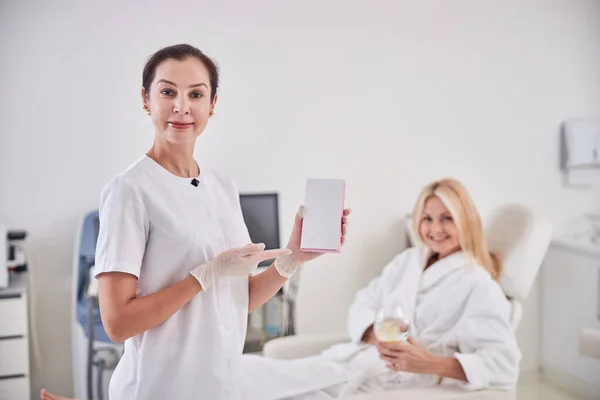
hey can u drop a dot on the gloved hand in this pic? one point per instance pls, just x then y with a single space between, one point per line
240 261
287 265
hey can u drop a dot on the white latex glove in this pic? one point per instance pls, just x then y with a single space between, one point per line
240 261
287 265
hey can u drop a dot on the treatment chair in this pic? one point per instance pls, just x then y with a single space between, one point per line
94 354
519 237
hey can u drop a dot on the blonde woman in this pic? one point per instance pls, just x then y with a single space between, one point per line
447 288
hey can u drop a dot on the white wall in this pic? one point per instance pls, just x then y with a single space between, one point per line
388 95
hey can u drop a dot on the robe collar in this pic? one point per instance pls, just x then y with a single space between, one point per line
439 269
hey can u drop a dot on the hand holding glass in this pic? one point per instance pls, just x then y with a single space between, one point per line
391 325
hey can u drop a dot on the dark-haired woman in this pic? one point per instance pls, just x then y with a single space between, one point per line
174 257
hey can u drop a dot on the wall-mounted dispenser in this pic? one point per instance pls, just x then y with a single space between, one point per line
580 152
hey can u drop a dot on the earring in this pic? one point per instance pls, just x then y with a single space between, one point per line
211 114
145 107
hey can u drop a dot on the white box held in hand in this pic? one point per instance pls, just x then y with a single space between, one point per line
324 209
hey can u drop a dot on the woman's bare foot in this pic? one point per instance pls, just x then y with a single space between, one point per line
46 395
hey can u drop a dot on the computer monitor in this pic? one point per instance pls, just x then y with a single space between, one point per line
261 215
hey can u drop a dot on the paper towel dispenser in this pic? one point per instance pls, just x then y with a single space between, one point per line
580 144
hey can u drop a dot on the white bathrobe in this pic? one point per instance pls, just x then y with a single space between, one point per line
456 309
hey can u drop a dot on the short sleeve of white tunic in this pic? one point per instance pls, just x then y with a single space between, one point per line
122 239
157 227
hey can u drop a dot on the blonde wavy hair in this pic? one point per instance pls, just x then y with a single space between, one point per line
471 237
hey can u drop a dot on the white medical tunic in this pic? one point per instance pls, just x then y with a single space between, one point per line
158 227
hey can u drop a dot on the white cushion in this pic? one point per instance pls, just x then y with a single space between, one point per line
521 239
297 346
437 393
410 232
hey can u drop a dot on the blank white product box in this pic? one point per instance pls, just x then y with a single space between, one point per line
324 209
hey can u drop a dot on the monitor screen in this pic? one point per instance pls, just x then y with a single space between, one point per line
261 215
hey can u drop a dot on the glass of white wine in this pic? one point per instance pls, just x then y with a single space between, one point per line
391 324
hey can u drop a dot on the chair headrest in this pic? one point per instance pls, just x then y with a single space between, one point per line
410 233
521 239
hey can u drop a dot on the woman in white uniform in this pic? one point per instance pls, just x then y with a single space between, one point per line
174 256
447 287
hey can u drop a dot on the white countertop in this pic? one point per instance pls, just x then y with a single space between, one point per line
580 244
17 285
